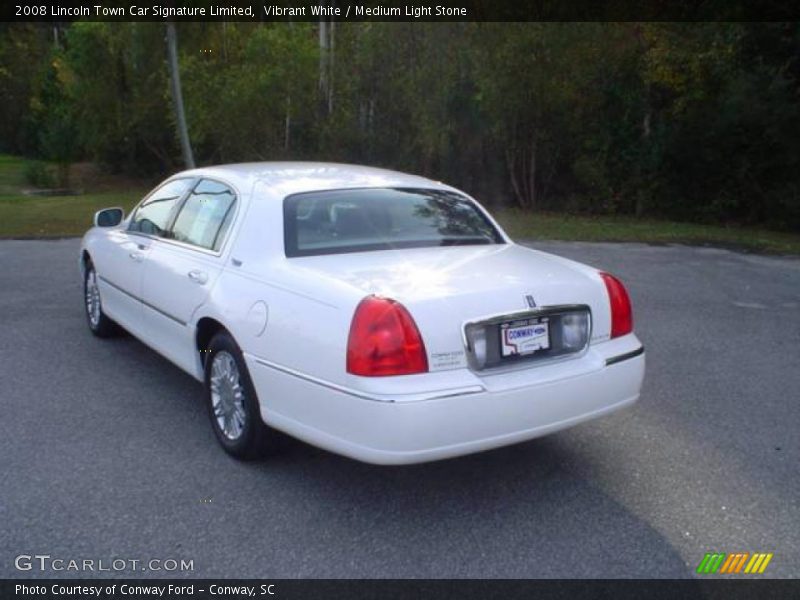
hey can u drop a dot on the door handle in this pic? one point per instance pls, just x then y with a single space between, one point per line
137 256
198 276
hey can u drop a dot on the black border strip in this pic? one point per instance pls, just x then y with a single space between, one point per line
618 359
402 10
741 588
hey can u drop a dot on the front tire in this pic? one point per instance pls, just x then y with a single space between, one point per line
232 402
99 324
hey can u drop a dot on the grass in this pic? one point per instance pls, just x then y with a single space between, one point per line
24 216
11 174
56 216
556 226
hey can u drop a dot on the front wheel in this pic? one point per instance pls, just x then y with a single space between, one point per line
232 402
99 324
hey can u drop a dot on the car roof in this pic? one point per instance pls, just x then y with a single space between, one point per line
284 178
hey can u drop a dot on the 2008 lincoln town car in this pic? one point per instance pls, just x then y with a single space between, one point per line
383 316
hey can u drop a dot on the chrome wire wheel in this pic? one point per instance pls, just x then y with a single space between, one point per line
93 309
227 395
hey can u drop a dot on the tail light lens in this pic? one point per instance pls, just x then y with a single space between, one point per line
621 311
384 340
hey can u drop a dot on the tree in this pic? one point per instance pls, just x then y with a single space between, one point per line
118 90
532 79
694 121
58 139
177 96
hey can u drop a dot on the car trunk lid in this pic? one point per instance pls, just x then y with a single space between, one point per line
446 287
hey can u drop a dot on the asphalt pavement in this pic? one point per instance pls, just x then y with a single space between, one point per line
107 454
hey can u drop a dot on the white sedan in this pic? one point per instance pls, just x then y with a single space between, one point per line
382 316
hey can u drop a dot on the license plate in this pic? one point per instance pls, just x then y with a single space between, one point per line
519 338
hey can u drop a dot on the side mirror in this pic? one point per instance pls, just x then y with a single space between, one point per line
108 217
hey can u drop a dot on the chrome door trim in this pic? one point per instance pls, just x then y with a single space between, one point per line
147 304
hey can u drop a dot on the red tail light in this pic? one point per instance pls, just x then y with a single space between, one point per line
621 311
384 340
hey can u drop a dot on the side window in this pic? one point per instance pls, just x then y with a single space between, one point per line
152 216
205 216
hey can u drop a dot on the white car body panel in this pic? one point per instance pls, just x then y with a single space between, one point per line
291 318
405 432
171 298
120 258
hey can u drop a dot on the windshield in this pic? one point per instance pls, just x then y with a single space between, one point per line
359 220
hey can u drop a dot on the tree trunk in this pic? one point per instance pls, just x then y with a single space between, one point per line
327 31
323 61
331 58
644 163
225 41
639 207
323 55
512 173
532 177
288 123
177 96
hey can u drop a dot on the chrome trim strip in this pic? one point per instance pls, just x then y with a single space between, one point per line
177 243
164 314
472 389
617 359
527 313
524 314
147 304
119 289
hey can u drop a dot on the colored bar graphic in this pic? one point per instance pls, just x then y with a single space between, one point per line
758 563
741 562
719 562
701 568
753 562
734 562
765 563
732 558
711 563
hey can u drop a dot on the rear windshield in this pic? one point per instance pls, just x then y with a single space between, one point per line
360 220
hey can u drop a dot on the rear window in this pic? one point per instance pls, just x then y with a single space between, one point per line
361 220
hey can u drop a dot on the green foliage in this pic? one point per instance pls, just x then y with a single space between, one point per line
244 86
118 85
526 75
694 121
731 121
526 225
52 112
37 173
24 51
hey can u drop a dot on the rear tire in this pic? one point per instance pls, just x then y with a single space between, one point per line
232 403
99 324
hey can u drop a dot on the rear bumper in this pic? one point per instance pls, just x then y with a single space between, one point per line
419 431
